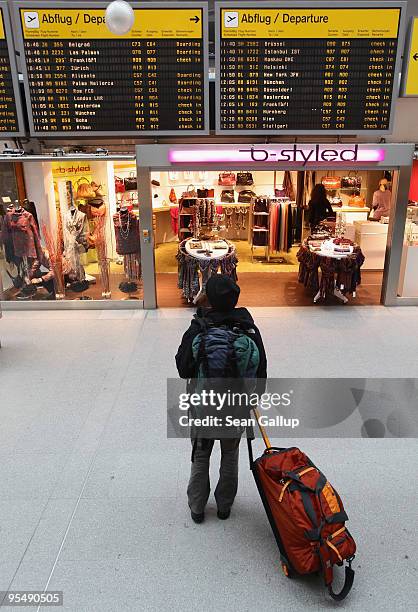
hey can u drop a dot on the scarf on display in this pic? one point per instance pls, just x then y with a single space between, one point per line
308 268
189 268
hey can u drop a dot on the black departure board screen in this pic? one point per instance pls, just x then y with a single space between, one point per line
11 121
82 79
307 68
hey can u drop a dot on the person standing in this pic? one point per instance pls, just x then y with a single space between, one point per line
222 294
319 207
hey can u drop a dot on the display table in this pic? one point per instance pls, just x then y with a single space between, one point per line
199 259
352 213
371 236
328 273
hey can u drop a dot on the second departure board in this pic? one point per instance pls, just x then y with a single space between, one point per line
11 120
81 79
307 67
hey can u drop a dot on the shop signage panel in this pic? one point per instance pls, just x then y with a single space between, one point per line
307 67
11 117
82 80
410 76
302 155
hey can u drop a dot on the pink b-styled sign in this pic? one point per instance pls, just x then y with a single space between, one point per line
275 154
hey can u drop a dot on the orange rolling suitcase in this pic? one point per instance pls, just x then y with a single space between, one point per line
305 512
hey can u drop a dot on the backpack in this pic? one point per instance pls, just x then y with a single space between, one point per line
224 351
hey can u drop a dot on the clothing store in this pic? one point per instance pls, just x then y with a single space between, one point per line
127 231
104 230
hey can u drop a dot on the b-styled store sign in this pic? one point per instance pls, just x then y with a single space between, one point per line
275 154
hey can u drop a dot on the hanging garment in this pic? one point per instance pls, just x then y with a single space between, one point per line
20 235
288 185
126 225
75 231
174 216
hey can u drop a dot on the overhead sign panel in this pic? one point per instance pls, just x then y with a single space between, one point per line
305 68
11 117
82 79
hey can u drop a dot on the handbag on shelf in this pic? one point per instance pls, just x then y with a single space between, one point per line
190 192
331 182
246 195
119 185
131 183
352 180
202 193
245 178
336 201
172 197
357 201
97 189
85 190
228 196
226 179
261 205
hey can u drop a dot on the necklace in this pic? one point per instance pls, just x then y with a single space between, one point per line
124 230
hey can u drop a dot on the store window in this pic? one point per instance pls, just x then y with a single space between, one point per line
75 236
408 283
253 225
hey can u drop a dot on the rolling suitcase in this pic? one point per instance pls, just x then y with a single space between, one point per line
305 512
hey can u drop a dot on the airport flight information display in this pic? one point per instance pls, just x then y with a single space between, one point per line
304 70
10 113
81 78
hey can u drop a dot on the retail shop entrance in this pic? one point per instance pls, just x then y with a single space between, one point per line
244 210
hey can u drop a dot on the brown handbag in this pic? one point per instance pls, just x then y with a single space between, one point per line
226 179
97 189
331 182
84 189
357 201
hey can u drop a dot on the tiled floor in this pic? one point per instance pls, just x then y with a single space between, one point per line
92 496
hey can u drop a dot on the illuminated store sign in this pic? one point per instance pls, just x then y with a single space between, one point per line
276 154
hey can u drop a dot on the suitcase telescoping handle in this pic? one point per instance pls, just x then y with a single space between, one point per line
250 438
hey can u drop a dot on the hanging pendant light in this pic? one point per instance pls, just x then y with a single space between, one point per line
119 17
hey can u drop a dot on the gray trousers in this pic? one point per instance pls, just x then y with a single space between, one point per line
199 484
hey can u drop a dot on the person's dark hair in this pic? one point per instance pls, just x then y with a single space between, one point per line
318 194
222 292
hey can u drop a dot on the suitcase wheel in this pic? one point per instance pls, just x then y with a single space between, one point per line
286 570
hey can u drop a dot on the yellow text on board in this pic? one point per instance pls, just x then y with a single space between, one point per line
2 35
90 23
310 23
411 88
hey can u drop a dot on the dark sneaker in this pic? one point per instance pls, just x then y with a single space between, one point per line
198 518
224 515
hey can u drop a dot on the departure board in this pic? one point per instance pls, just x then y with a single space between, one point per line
410 73
11 120
305 68
81 79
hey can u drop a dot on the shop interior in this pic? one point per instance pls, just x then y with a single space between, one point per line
70 231
260 220
82 224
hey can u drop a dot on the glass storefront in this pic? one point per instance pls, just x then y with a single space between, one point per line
75 236
109 229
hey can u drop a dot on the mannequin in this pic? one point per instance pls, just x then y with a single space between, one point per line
126 225
75 232
382 199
